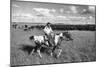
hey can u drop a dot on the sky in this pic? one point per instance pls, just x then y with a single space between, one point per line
37 12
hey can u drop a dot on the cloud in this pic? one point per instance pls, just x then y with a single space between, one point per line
61 17
53 10
44 11
14 5
23 15
49 14
91 8
61 10
39 15
27 15
73 9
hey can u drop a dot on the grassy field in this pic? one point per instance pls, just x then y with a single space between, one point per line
82 49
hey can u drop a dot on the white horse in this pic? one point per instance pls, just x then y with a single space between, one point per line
39 40
42 41
58 38
57 44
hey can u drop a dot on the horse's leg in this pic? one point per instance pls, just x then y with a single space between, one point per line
52 50
47 44
38 45
32 52
39 53
60 50
38 50
51 54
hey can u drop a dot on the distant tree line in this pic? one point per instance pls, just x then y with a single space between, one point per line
70 27
58 27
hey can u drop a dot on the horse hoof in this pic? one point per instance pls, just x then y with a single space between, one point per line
51 54
40 57
31 54
57 56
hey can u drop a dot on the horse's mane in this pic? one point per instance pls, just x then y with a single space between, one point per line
57 33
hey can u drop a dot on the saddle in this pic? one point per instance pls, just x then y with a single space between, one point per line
50 39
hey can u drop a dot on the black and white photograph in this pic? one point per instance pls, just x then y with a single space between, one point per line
43 33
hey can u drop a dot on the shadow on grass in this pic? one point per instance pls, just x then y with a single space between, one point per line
28 48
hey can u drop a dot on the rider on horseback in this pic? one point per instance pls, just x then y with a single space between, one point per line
49 34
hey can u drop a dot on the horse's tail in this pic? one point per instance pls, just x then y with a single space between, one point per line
31 38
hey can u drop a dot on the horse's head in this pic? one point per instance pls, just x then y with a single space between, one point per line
61 34
65 36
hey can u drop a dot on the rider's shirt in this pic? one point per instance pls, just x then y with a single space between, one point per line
47 30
